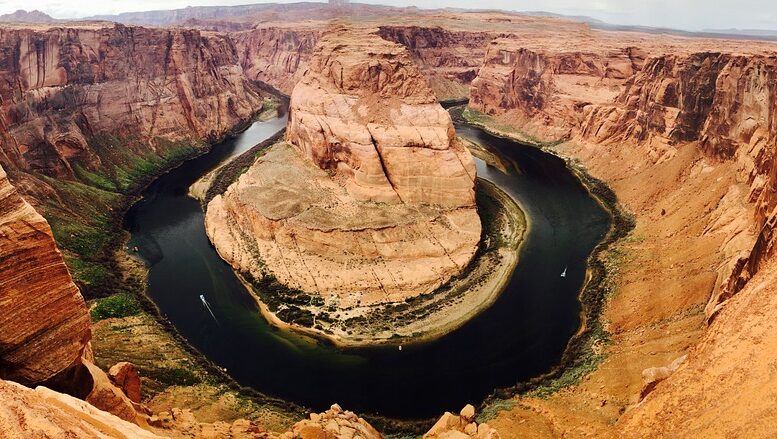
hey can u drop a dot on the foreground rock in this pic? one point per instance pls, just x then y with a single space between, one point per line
331 424
44 322
43 413
125 376
371 200
461 426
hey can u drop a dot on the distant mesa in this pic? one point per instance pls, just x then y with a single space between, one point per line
22 16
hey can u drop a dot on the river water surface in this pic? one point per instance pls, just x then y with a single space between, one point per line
521 336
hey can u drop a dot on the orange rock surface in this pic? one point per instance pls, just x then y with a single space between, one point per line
44 323
685 141
374 201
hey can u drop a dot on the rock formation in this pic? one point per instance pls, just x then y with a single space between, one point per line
276 56
543 89
43 413
449 59
66 89
685 141
331 424
44 322
461 426
125 376
372 199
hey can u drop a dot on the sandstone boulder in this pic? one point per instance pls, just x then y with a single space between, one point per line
334 423
463 426
125 376
44 413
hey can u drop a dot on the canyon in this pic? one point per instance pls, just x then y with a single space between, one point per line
681 129
681 134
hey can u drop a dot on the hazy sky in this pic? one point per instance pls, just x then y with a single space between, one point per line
681 14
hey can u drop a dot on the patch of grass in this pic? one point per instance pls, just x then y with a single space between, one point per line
481 119
493 408
173 376
116 306
402 436
589 359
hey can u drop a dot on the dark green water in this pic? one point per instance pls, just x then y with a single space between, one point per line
521 336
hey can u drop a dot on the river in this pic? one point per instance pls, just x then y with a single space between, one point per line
521 336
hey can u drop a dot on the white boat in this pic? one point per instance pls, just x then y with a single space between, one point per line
564 273
207 306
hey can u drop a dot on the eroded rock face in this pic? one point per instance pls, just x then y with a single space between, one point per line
372 198
44 322
276 56
364 111
544 89
448 58
64 89
723 103
44 413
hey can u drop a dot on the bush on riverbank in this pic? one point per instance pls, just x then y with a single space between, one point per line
116 306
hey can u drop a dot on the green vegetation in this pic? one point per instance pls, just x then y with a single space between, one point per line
284 301
85 214
227 174
269 109
118 305
493 408
480 119
173 376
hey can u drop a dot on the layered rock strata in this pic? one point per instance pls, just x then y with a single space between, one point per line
371 200
276 56
448 58
44 413
44 322
685 141
544 89
65 90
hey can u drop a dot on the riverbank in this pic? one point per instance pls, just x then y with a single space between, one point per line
585 350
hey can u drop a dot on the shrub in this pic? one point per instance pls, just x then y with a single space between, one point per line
118 305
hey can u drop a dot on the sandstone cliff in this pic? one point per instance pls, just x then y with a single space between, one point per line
277 56
544 89
372 199
44 323
448 58
685 141
64 87
90 112
723 103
